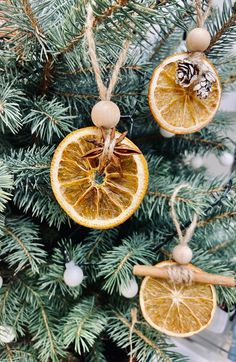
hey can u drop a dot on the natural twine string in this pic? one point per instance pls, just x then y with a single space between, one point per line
104 92
183 239
202 15
134 320
181 274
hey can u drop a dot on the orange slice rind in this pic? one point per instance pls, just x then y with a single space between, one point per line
176 109
178 310
92 200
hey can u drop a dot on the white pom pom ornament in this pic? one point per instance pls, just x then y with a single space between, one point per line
130 289
73 275
7 334
198 40
105 114
197 162
165 133
226 159
1 282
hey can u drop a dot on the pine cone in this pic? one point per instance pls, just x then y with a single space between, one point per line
204 86
187 73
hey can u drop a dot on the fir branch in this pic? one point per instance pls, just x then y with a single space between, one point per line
147 342
223 30
6 184
83 325
116 265
47 75
49 119
20 245
10 110
108 12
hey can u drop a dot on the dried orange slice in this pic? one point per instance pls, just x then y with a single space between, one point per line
177 109
88 198
177 310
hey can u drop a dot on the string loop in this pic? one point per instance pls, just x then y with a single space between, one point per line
202 15
105 93
183 239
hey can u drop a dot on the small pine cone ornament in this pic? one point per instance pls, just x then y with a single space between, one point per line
204 86
187 72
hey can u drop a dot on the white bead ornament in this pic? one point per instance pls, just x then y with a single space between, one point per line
105 114
165 133
226 159
182 254
130 289
198 40
73 275
197 162
7 334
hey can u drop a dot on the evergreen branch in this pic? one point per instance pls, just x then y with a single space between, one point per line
20 246
17 352
30 15
10 111
225 27
116 265
49 119
108 12
220 246
6 184
144 338
224 215
83 325
47 75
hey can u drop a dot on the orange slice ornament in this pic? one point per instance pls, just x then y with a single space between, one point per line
90 198
184 108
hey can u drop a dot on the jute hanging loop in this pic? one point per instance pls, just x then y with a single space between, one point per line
183 239
202 15
105 93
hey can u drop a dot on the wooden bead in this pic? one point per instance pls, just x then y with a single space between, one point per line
198 40
105 114
182 254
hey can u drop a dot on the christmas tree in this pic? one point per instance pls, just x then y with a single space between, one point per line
48 89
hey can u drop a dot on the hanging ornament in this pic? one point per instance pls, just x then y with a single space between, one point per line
73 275
176 297
185 90
130 289
165 133
197 162
7 334
1 282
98 176
227 159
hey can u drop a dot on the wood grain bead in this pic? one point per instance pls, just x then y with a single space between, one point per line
182 254
198 40
105 114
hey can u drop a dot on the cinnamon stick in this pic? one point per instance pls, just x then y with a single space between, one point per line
198 277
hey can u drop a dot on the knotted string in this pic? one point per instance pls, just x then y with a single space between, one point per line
202 15
181 274
105 93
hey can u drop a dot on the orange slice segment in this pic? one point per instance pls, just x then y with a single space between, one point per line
177 310
90 199
177 109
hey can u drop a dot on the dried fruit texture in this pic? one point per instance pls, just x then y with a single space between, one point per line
179 109
89 198
176 309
